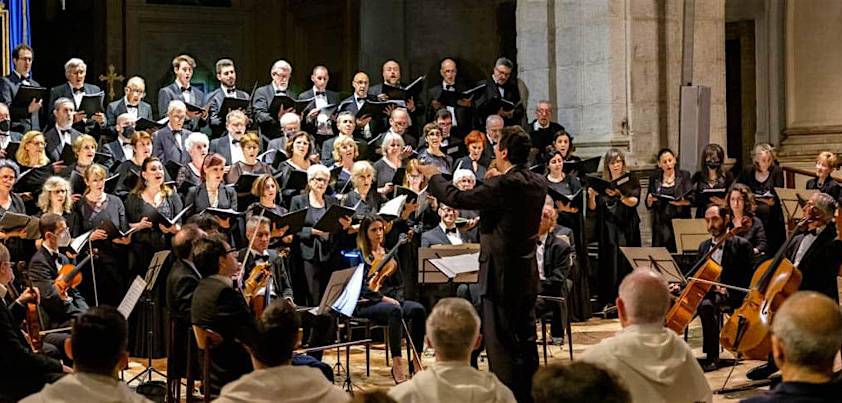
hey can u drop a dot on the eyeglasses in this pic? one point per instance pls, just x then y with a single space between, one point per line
320 179
232 250
59 191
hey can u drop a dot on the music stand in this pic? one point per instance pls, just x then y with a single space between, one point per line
689 234
658 260
791 201
150 279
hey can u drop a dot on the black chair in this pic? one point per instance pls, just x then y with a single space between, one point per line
562 304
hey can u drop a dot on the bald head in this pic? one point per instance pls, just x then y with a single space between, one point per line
643 298
807 331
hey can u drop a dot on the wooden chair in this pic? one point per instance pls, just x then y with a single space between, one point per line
206 340
562 303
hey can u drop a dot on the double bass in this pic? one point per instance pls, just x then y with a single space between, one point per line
747 333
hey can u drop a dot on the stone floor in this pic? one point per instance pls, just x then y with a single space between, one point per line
584 335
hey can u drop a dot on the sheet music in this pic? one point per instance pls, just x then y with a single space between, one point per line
155 267
393 207
132 295
79 242
347 301
453 266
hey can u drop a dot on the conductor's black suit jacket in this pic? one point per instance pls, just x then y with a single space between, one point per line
510 211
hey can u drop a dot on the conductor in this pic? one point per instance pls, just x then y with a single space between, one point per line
510 213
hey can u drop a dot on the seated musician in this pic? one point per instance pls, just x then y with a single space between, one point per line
217 306
321 328
735 257
22 371
446 233
817 253
555 258
60 306
387 304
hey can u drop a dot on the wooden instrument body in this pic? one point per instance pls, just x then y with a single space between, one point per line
256 281
748 331
70 276
684 309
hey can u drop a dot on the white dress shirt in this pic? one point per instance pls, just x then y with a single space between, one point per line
236 151
539 255
454 237
187 96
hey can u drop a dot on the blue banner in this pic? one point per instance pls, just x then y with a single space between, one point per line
19 28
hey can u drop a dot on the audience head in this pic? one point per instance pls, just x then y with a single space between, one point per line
276 335
98 341
643 298
206 222
807 333
453 329
212 255
55 192
578 381
372 396
182 242
514 146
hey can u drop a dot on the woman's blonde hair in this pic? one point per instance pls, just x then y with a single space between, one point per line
80 142
360 168
51 184
95 170
23 157
340 141
829 157
250 138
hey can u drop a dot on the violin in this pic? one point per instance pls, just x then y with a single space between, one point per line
382 268
70 276
703 276
748 331
259 276
32 320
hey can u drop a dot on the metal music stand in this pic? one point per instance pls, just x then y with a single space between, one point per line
148 309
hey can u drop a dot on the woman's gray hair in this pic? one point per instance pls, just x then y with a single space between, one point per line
195 138
316 169
825 204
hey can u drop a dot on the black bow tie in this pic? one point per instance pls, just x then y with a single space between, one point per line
64 132
231 90
125 144
131 106
320 93
176 132
235 141
280 92
450 230
185 89
540 243
448 87
79 90
811 232
4 134
24 78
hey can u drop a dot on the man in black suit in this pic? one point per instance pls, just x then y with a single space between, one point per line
500 87
392 76
75 89
736 258
22 372
446 232
6 134
542 129
817 253
510 209
316 121
399 121
63 133
132 103
181 283
555 258
227 76
217 306
366 126
345 124
229 145
268 122
43 270
121 149
462 111
168 143
181 90
493 130
25 117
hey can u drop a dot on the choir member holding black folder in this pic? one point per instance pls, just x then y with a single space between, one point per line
35 168
104 215
19 248
388 166
615 197
212 192
151 202
669 196
711 182
762 178
129 170
292 172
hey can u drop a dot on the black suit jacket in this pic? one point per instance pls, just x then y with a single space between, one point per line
332 97
542 138
22 120
483 102
21 371
165 147
64 91
377 124
281 286
216 121
217 306
54 147
558 258
436 236
464 116
115 150
42 271
222 146
173 92
117 108
510 208
737 264
820 265
198 197
267 121
181 283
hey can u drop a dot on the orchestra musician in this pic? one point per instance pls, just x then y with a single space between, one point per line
741 204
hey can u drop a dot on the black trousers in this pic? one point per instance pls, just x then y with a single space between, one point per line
709 311
508 327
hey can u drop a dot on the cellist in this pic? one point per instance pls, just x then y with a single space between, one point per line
736 259
817 253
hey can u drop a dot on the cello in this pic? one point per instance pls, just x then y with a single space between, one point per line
747 333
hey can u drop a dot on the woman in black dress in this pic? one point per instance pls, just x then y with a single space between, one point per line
298 148
669 196
570 216
385 167
212 193
129 170
825 164
19 248
315 247
742 204
89 213
190 175
711 182
475 143
618 224
150 199
762 178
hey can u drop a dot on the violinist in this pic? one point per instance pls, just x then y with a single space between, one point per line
817 253
387 305
736 258
742 204
22 372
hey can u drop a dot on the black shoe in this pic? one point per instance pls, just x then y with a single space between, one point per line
761 372
709 365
